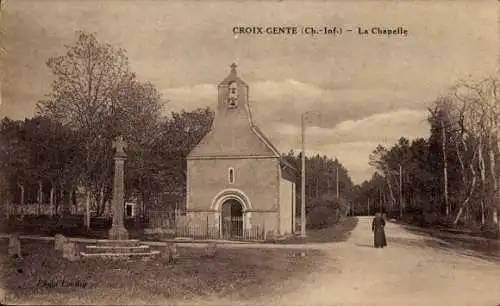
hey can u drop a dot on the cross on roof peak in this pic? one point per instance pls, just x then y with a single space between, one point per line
233 74
232 77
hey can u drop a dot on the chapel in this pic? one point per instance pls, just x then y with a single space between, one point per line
238 186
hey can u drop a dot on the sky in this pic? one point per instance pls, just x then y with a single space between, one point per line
359 90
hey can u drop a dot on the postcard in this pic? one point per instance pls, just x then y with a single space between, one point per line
249 152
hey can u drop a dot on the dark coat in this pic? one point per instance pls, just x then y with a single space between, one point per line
379 239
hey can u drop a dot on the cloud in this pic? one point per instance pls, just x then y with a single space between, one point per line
379 127
190 97
350 134
352 141
283 101
382 127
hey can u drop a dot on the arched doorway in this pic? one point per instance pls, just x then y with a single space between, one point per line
232 219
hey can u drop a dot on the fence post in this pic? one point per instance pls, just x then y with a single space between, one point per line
264 229
207 228
7 209
175 227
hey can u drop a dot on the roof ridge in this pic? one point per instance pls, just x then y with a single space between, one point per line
264 139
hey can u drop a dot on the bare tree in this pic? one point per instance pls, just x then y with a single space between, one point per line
445 167
477 106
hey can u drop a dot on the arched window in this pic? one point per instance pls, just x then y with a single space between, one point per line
231 176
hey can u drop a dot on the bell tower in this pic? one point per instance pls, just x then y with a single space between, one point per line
233 132
233 95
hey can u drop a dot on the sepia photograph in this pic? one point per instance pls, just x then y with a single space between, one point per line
288 152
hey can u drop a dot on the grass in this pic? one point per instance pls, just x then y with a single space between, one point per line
236 273
338 233
486 249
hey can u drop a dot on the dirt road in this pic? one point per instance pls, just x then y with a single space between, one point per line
407 272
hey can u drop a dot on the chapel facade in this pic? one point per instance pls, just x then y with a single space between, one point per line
238 186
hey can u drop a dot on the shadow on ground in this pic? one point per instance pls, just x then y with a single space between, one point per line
484 249
337 233
241 273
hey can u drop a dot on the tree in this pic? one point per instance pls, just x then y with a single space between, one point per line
165 168
14 155
96 94
480 109
39 151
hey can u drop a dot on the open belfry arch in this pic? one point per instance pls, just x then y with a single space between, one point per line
237 181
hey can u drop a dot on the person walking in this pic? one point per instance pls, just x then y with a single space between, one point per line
378 225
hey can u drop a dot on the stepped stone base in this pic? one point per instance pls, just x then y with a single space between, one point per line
110 242
149 254
119 249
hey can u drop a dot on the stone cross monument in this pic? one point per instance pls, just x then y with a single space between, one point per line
118 230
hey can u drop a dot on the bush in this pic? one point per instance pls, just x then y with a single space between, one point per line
320 217
325 211
431 220
490 231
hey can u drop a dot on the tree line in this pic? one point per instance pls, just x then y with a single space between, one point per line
40 157
452 176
